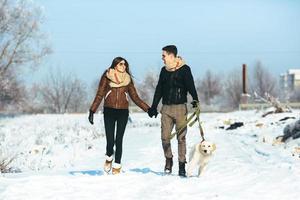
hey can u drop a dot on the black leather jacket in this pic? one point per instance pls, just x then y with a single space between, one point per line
173 86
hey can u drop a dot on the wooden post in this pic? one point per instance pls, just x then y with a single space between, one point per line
244 79
244 95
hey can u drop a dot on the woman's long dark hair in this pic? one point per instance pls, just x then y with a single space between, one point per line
117 60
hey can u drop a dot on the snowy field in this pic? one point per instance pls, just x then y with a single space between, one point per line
61 157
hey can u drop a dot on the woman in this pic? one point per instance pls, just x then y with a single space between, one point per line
115 86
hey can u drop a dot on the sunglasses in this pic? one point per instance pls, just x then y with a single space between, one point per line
121 64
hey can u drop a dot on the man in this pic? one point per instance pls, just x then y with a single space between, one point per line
175 80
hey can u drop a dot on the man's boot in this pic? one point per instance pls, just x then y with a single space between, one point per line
169 165
182 169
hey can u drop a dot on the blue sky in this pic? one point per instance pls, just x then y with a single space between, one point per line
219 35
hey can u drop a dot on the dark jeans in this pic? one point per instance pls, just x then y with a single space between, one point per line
111 118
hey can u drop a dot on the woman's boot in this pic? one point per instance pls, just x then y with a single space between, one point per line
108 163
116 168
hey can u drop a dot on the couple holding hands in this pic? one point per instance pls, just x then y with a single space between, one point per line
116 84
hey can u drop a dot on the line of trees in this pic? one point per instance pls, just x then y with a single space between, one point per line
222 92
225 91
59 93
23 45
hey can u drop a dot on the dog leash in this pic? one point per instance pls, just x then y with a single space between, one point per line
190 122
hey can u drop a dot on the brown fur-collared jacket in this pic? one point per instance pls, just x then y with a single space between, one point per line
116 97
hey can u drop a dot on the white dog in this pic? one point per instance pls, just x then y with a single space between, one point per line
199 156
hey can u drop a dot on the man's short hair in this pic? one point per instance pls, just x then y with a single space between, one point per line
171 49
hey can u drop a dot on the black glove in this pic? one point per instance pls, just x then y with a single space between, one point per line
91 117
195 103
152 112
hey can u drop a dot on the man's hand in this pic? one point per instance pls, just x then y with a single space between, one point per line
152 112
91 117
195 103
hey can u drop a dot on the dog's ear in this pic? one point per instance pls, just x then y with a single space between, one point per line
198 147
214 147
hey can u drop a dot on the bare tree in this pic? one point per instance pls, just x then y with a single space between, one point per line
263 82
34 101
21 43
233 89
12 92
295 96
78 102
61 93
209 87
147 87
274 102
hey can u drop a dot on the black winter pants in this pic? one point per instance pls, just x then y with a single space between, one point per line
111 118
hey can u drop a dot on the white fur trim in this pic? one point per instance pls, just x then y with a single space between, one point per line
123 78
178 63
107 94
117 165
109 158
126 96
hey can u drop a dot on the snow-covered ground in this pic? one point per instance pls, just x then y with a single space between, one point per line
61 157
